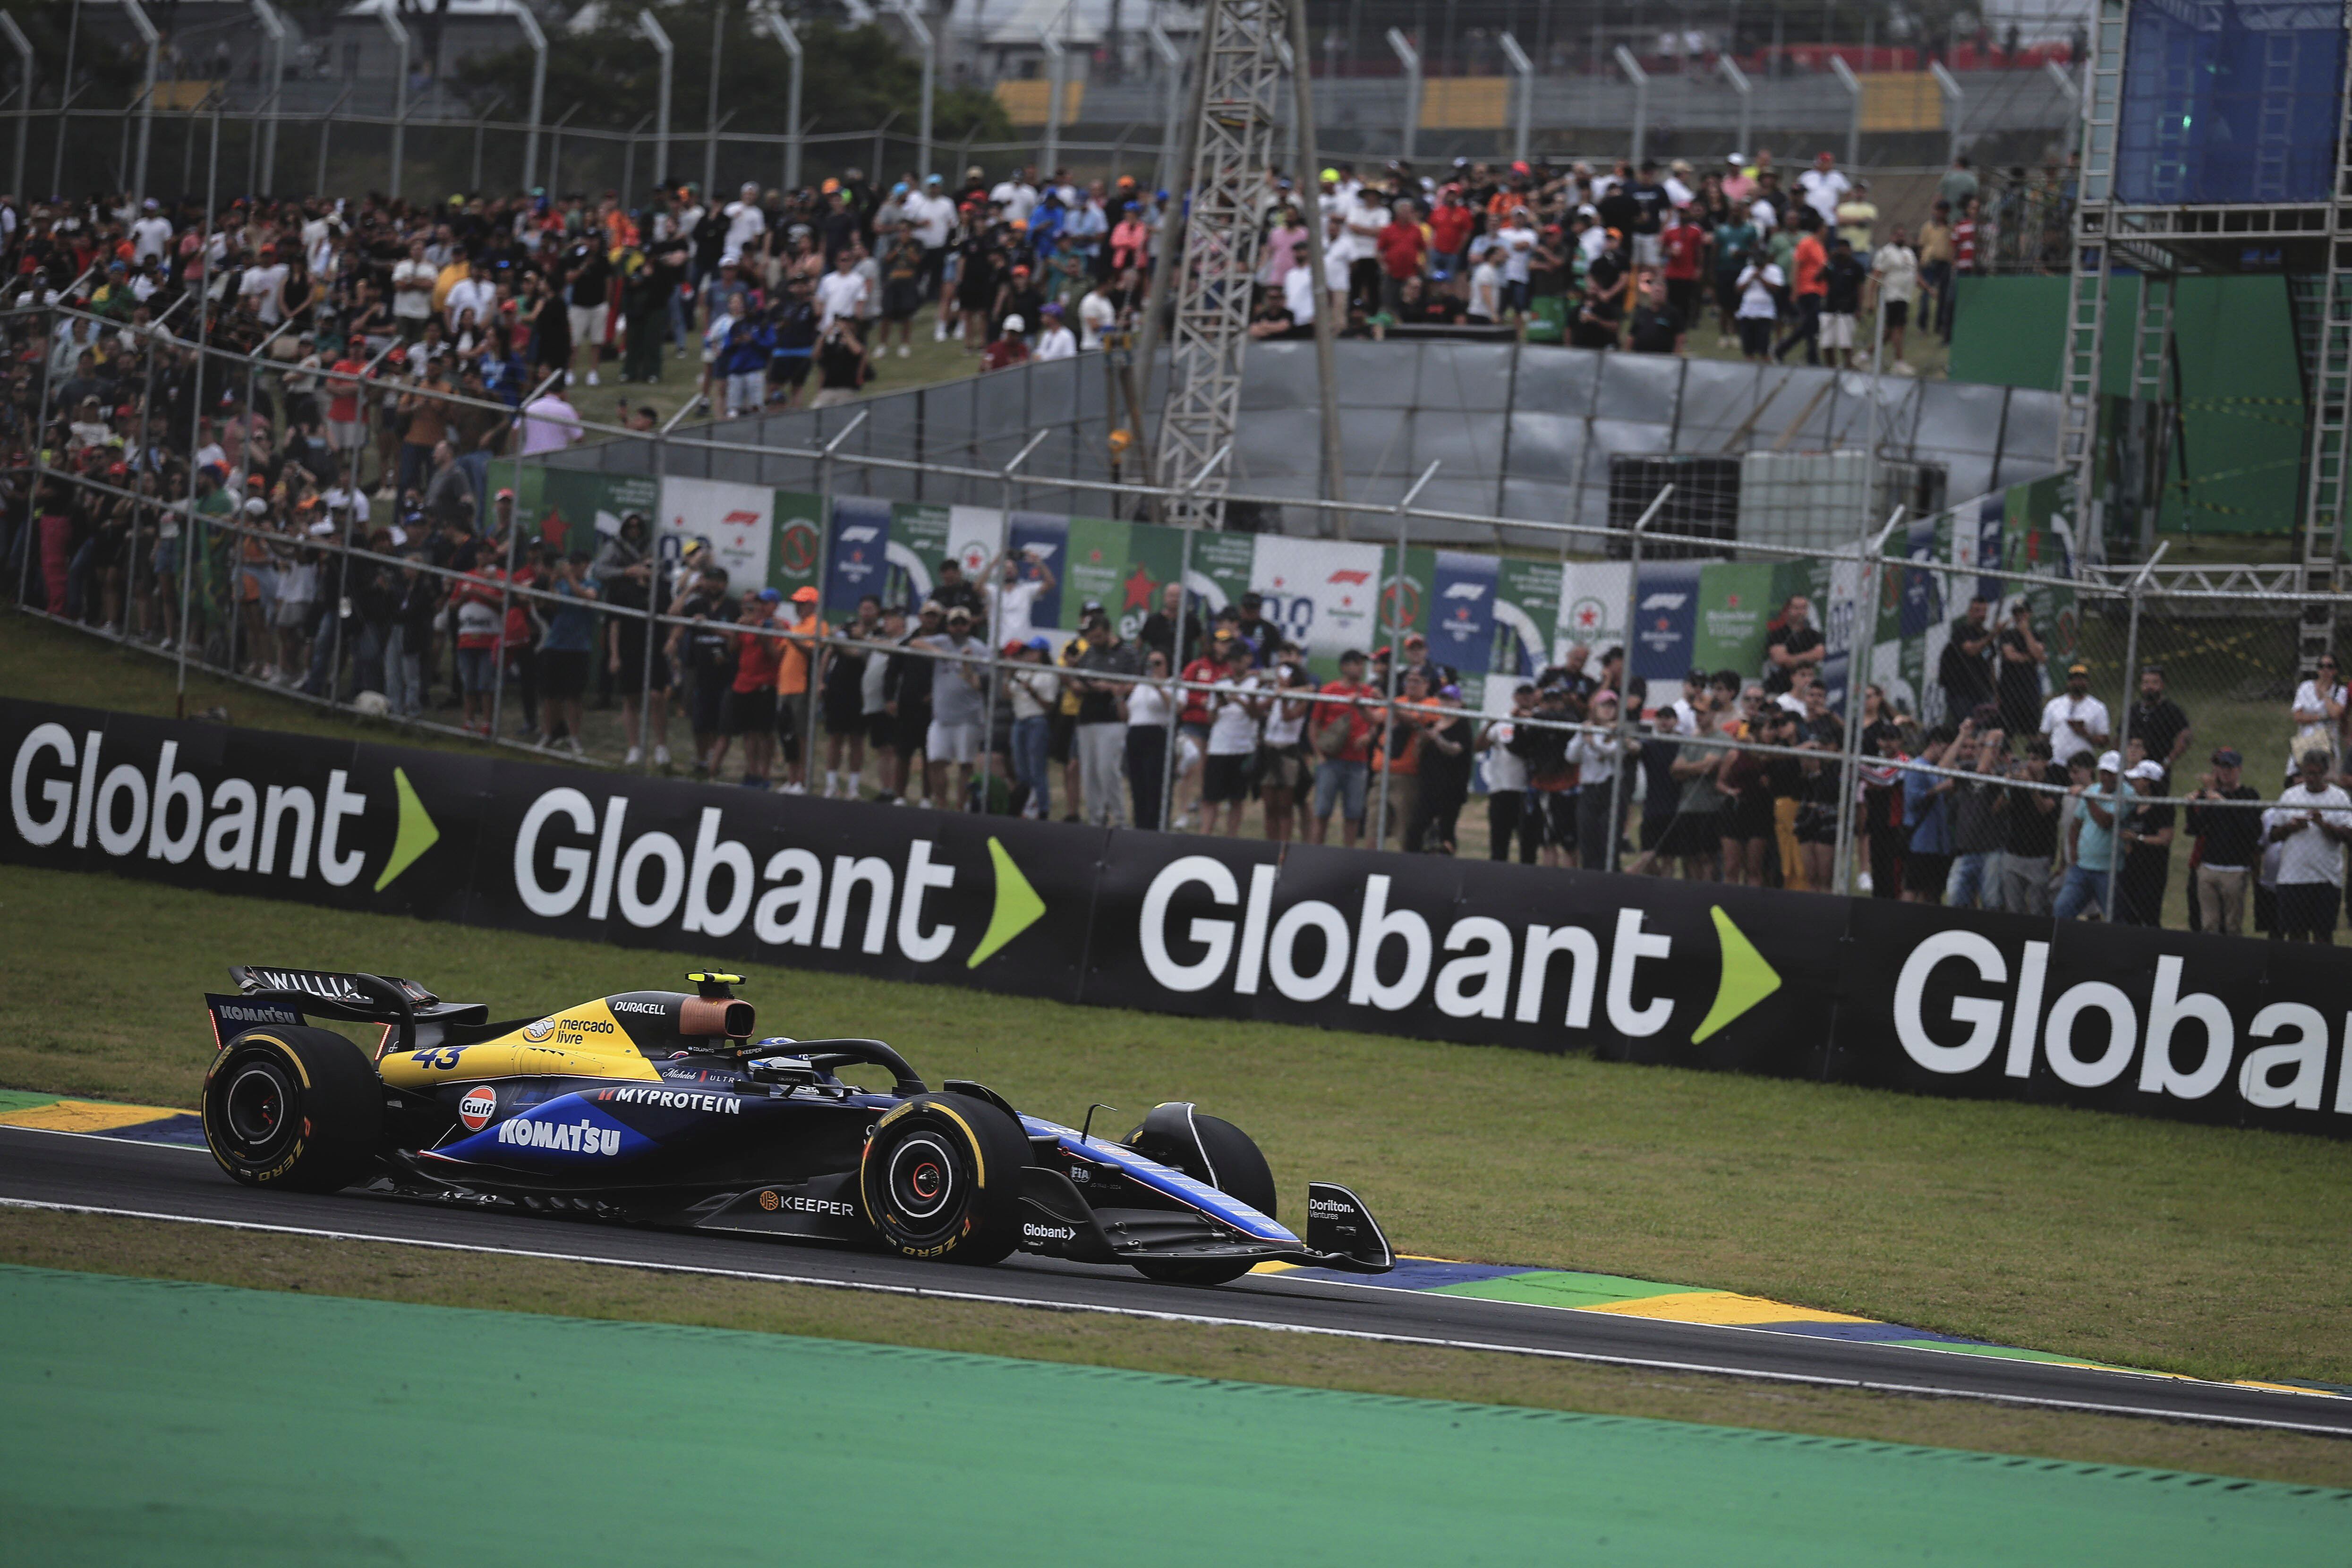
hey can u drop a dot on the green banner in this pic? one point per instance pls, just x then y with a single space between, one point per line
1097 566
799 529
1527 616
1226 559
1736 604
1405 594
576 506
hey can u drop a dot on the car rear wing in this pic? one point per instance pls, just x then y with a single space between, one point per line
290 996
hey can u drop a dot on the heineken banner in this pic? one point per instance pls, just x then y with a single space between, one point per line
1901 996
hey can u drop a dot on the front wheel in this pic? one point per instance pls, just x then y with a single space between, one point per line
941 1179
295 1107
1231 1165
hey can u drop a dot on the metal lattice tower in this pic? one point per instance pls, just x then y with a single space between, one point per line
1242 48
2328 390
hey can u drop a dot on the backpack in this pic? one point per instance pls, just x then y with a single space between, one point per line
1330 735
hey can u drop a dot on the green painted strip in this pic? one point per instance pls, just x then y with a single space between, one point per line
146 1421
2008 1352
1562 1288
23 1099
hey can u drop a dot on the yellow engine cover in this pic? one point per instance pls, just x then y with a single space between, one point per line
583 1041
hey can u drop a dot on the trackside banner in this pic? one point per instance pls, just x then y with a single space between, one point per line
1893 996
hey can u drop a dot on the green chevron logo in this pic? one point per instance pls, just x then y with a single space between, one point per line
1746 978
1018 907
417 833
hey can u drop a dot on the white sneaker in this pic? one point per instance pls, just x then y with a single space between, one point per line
938 332
958 334
904 351
636 754
661 756
591 378
573 741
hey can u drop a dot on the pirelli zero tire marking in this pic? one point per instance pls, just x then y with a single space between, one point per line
941 1179
1239 1170
290 1107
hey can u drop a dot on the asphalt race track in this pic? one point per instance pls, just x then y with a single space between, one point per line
165 1181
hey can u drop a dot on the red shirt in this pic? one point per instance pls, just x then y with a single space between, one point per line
1811 260
1401 246
343 405
1450 226
1001 352
756 659
1196 703
1360 724
1683 245
1964 245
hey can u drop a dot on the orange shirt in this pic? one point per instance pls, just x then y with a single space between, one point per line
792 662
1811 260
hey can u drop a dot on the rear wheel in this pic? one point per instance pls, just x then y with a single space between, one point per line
941 1179
1234 1166
295 1107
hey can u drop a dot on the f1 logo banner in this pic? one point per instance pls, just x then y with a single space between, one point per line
1638 969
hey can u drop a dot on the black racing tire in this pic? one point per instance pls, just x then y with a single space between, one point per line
295 1107
940 1179
1236 1166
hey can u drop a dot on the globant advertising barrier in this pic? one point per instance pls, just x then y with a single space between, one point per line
1639 969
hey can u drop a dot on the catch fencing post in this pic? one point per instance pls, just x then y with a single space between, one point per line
710 105
1176 644
1058 92
274 28
2123 731
1523 114
190 546
327 123
1747 91
1410 58
913 18
399 95
1625 673
1641 81
1003 544
1853 85
25 64
1396 632
1955 109
537 42
1172 62
1860 641
824 565
505 590
767 16
152 42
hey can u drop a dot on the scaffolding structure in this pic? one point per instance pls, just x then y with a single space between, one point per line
1242 45
2145 207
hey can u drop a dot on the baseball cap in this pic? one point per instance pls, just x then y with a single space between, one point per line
1092 606
2145 768
255 505
958 613
769 595
930 607
1015 647
2110 762
505 493
2227 757
2078 669
804 596
1039 645
1014 323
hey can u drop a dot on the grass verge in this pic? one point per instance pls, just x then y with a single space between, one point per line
153 1249
2205 1251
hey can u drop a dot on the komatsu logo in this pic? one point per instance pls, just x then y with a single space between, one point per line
581 1137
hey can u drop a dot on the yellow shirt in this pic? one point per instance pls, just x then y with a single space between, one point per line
449 277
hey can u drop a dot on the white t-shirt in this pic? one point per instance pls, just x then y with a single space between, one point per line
839 296
1037 693
475 294
1761 215
1017 199
2064 744
1284 728
1517 244
1298 293
933 217
1897 266
1487 290
1097 316
412 289
2308 855
1146 705
260 286
1823 190
2308 699
149 236
1233 728
1505 770
1056 343
745 223
1012 611
1756 285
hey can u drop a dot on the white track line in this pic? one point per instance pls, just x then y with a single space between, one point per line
1201 1319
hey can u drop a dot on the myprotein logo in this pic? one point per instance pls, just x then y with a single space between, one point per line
2091 1036
80 792
571 859
1390 959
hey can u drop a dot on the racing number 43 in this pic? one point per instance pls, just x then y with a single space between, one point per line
441 1056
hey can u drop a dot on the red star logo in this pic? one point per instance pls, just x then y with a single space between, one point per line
1138 589
1731 601
1588 620
1094 556
1347 602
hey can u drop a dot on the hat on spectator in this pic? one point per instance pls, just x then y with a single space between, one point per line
1052 309
1092 607
2109 762
1014 648
804 596
769 595
958 613
1412 637
505 494
1014 323
930 607
2145 768
2078 668
2227 757
255 505
1039 645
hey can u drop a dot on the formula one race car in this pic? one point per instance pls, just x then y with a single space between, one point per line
661 1108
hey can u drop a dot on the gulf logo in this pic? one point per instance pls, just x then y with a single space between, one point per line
481 1103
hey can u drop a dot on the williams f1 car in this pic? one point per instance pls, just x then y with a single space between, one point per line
663 1108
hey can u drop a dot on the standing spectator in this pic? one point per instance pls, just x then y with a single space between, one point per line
1034 690
1106 668
2158 721
795 687
841 365
751 694
1235 707
1403 249
703 650
2030 830
1927 811
2319 704
2075 721
1507 782
2146 839
1009 347
1147 704
956 710
1695 834
1936 267
1842 282
1657 327
1599 802
566 650
2231 842
1794 644
550 423
1285 764
1896 269
1342 732
2022 656
1823 187
2091 835
2311 824
1808 264
1965 670
1978 831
